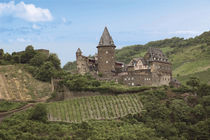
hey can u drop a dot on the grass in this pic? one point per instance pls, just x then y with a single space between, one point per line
9 105
203 75
94 108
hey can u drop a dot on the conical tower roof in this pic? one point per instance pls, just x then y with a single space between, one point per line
79 51
106 39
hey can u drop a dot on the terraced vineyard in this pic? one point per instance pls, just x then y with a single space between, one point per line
94 107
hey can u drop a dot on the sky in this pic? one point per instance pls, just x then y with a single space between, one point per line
62 26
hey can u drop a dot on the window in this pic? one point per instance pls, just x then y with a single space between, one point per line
132 78
132 84
107 52
107 61
129 78
125 79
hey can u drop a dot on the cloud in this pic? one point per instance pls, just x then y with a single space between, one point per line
21 40
186 32
65 21
28 12
34 26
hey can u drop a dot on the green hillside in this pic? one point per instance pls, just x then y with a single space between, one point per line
94 108
189 57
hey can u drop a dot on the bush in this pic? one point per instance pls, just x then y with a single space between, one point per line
46 72
39 113
38 59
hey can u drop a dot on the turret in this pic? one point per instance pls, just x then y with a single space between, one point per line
106 54
79 52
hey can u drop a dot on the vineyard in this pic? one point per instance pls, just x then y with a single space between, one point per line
94 107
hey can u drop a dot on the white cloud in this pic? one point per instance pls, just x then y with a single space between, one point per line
34 26
64 20
186 32
28 12
21 40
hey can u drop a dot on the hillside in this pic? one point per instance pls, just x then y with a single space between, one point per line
17 84
189 57
94 108
167 113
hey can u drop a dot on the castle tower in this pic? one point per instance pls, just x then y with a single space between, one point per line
106 54
82 67
79 52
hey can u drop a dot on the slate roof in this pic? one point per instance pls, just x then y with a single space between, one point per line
106 39
157 55
135 60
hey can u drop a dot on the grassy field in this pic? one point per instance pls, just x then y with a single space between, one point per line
17 84
9 105
94 108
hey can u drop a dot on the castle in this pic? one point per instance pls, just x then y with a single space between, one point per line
153 69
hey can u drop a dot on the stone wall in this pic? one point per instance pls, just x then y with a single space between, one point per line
82 65
106 60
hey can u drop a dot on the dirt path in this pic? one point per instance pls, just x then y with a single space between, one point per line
9 113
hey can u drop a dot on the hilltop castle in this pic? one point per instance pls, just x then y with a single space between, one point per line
151 70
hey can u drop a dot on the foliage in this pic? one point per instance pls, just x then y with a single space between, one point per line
9 105
163 116
28 54
76 82
39 113
70 66
20 127
193 82
1 53
38 59
53 58
46 72
41 65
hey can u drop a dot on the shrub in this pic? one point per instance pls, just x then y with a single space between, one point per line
39 113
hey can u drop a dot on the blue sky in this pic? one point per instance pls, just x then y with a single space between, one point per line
62 26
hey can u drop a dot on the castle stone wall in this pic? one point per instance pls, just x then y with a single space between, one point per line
106 60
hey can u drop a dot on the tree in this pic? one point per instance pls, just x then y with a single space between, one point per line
39 113
203 90
16 57
38 59
7 57
1 53
70 66
46 72
53 58
194 82
28 54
